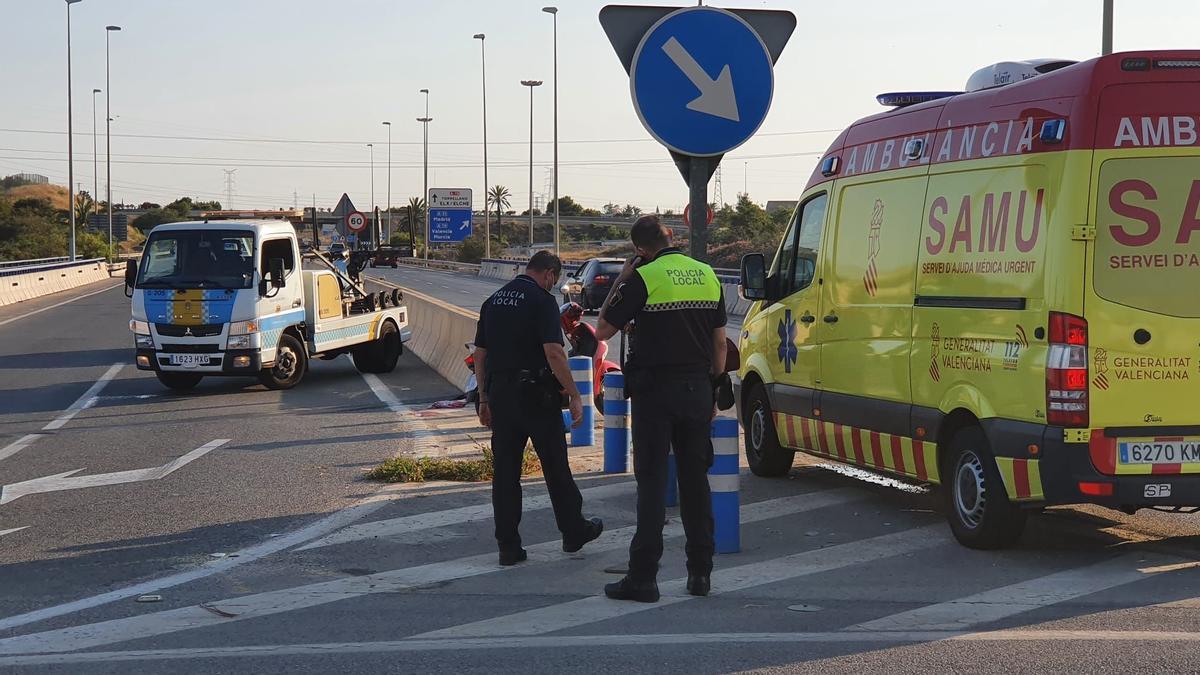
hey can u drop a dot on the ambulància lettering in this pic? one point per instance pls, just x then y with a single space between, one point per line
1156 131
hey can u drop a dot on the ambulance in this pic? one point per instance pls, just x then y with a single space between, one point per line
996 291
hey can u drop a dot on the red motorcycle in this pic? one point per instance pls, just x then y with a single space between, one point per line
583 342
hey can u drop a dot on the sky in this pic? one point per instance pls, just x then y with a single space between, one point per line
289 92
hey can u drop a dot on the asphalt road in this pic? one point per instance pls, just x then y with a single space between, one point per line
835 572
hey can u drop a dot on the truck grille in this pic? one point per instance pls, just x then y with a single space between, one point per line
175 330
190 349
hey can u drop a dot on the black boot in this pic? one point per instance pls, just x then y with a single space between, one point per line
513 557
627 589
699 584
592 529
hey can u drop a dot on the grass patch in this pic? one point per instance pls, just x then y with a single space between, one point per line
473 470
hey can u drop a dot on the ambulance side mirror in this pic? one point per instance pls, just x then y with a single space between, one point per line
754 276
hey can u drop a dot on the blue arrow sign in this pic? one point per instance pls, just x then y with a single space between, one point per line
702 81
449 224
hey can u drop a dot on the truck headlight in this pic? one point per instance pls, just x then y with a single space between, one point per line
143 341
243 327
139 327
238 342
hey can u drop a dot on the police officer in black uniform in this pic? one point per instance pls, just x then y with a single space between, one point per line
523 370
677 353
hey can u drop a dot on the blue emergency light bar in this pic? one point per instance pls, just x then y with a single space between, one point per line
899 99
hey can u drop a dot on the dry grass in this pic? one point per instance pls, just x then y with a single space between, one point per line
55 194
421 469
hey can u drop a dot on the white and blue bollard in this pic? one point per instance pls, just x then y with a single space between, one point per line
672 480
617 439
723 484
581 373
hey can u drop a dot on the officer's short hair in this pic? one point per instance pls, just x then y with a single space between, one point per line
648 232
544 260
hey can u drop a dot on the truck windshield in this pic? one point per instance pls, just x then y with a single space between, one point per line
198 259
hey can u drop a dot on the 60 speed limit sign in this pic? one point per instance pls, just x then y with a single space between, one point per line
356 221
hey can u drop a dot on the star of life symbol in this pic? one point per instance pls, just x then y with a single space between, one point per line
787 341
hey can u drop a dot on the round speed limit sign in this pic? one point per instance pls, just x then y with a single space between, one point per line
356 221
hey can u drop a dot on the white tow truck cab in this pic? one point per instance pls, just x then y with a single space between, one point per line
233 298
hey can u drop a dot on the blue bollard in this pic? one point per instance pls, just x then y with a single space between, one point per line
672 480
581 373
723 484
616 424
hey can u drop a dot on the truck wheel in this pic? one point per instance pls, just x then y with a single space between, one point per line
178 381
291 363
977 505
379 355
763 452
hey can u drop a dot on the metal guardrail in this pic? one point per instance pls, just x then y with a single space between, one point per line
725 274
35 261
45 267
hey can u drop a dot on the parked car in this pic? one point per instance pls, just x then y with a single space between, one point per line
386 255
590 284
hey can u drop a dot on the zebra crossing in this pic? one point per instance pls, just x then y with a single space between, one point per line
867 566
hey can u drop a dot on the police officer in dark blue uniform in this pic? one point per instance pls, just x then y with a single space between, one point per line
524 375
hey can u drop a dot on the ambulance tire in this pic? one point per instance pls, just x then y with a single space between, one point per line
291 363
178 381
977 505
763 453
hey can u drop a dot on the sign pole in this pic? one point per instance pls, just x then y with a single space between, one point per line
698 202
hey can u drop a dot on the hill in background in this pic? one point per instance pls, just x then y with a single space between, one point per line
55 194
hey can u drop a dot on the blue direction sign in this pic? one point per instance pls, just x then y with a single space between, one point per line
702 81
449 214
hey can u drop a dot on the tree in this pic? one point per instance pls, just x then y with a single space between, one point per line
569 206
498 195
84 205
472 248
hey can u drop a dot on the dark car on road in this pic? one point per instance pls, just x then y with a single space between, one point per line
589 285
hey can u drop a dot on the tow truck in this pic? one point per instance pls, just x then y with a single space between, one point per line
242 298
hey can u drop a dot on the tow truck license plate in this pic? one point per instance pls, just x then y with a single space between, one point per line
1159 451
189 360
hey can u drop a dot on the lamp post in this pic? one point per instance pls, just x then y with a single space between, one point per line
388 236
108 31
531 84
553 11
371 147
487 232
70 139
1106 29
96 164
425 192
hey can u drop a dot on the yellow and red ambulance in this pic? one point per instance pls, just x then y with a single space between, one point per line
997 291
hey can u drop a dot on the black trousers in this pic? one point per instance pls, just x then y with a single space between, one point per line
671 411
515 421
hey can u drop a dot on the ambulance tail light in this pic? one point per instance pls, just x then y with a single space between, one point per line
1067 371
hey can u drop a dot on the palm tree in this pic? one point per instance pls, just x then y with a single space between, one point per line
84 204
414 213
499 195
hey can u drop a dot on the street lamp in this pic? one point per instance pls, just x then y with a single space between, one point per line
372 148
553 11
1106 29
70 139
425 193
389 188
531 84
108 30
96 163
487 232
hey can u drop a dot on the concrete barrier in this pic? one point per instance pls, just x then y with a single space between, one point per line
18 284
439 332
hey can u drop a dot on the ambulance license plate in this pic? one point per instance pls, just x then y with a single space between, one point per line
189 360
1159 451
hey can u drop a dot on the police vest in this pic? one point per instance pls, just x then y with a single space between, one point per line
675 282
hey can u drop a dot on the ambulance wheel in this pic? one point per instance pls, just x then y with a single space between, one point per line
763 452
977 505
178 381
291 363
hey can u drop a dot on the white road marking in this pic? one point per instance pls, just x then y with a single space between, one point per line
312 595
1024 596
558 642
68 481
724 580
394 527
384 394
11 530
19 445
82 403
87 400
65 302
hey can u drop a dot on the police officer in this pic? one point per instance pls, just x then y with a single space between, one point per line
677 349
520 361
